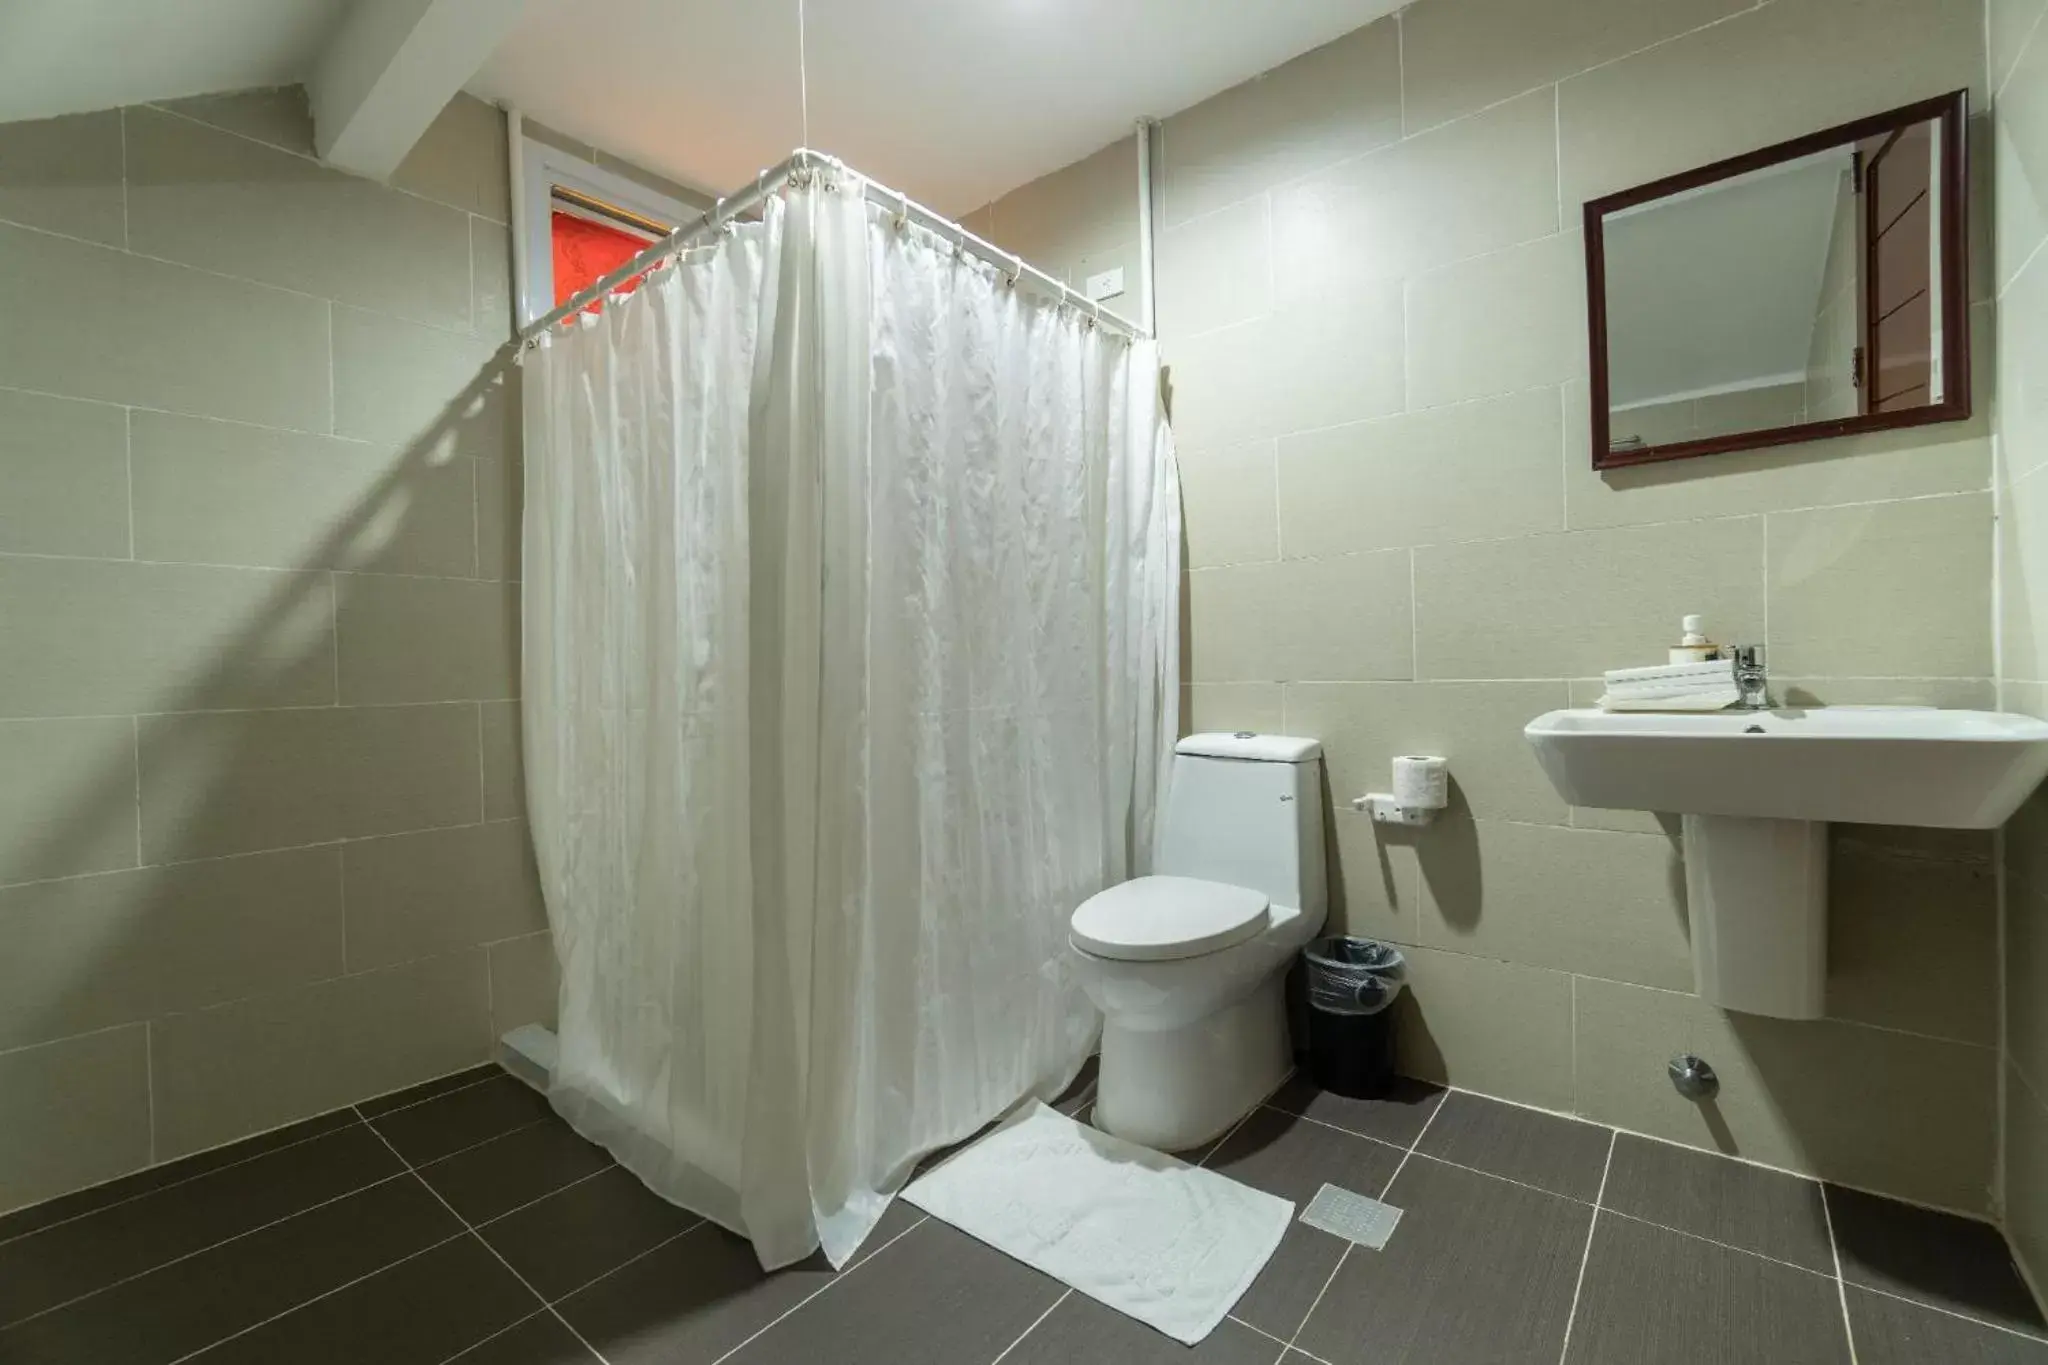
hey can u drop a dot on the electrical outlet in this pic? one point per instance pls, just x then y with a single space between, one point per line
1107 285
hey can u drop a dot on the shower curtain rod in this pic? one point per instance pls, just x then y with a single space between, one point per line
774 178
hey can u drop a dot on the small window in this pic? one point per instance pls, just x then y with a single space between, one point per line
579 222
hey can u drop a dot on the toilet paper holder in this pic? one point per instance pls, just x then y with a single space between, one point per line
1421 789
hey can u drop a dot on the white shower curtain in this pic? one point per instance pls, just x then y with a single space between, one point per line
851 668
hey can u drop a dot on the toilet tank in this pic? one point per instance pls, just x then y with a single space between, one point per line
1248 809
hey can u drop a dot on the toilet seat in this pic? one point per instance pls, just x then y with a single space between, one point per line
1166 919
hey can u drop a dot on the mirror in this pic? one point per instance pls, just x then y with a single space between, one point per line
1812 289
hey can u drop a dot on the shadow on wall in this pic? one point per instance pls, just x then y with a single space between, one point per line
227 772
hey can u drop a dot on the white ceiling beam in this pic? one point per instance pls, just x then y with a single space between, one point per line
391 66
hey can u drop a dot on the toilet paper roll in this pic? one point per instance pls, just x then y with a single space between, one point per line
1421 781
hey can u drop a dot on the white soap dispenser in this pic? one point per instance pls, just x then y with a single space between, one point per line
1694 647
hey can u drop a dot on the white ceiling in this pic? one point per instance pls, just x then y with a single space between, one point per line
953 101
72 56
1718 288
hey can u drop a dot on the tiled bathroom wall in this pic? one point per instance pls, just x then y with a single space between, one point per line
2018 34
1371 298
260 846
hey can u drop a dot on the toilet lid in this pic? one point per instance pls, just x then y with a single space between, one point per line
1160 919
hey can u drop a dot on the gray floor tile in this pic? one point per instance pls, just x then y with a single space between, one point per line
448 1123
59 1263
1892 1332
539 1340
62 1209
1937 1258
936 1297
1478 1270
198 1301
691 1301
418 1312
1552 1153
577 1234
1768 1212
1396 1118
426 1090
1081 1329
1656 1297
1294 1157
516 1168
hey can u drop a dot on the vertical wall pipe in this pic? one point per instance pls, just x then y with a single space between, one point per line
1149 319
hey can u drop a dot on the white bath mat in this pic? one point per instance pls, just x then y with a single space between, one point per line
1170 1244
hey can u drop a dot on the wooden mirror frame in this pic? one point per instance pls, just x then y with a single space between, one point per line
1951 112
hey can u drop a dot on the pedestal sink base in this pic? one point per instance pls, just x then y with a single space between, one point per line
1757 894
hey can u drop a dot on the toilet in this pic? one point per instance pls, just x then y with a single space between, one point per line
1188 966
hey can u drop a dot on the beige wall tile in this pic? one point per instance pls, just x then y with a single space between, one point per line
1580 603
504 775
95 637
65 468
240 781
1461 190
1497 323
1947 458
157 335
1495 1027
1477 726
2008 24
1774 73
1228 506
1216 269
430 391
2026 971
1474 471
525 985
1850 587
64 174
1293 370
222 202
1815 1096
67 797
1337 101
1091 205
1207 707
2022 369
2026 1174
1374 881
2020 162
500 503
2023 576
72 1114
1458 56
224 493
279 116
222 1073
490 279
1955 694
461 160
426 639
1343 618
1610 905
87 952
1912 940
415 895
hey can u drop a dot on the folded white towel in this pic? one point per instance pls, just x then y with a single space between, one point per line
1713 699
1718 670
1643 690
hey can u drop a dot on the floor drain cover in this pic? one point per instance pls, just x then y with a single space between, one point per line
1353 1217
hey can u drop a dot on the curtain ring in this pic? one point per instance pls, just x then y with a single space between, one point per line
1016 270
902 211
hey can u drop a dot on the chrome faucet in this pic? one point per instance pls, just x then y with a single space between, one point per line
1750 680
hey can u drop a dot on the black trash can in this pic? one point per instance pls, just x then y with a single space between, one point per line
1352 986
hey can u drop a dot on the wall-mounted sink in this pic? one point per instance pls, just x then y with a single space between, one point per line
1756 790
